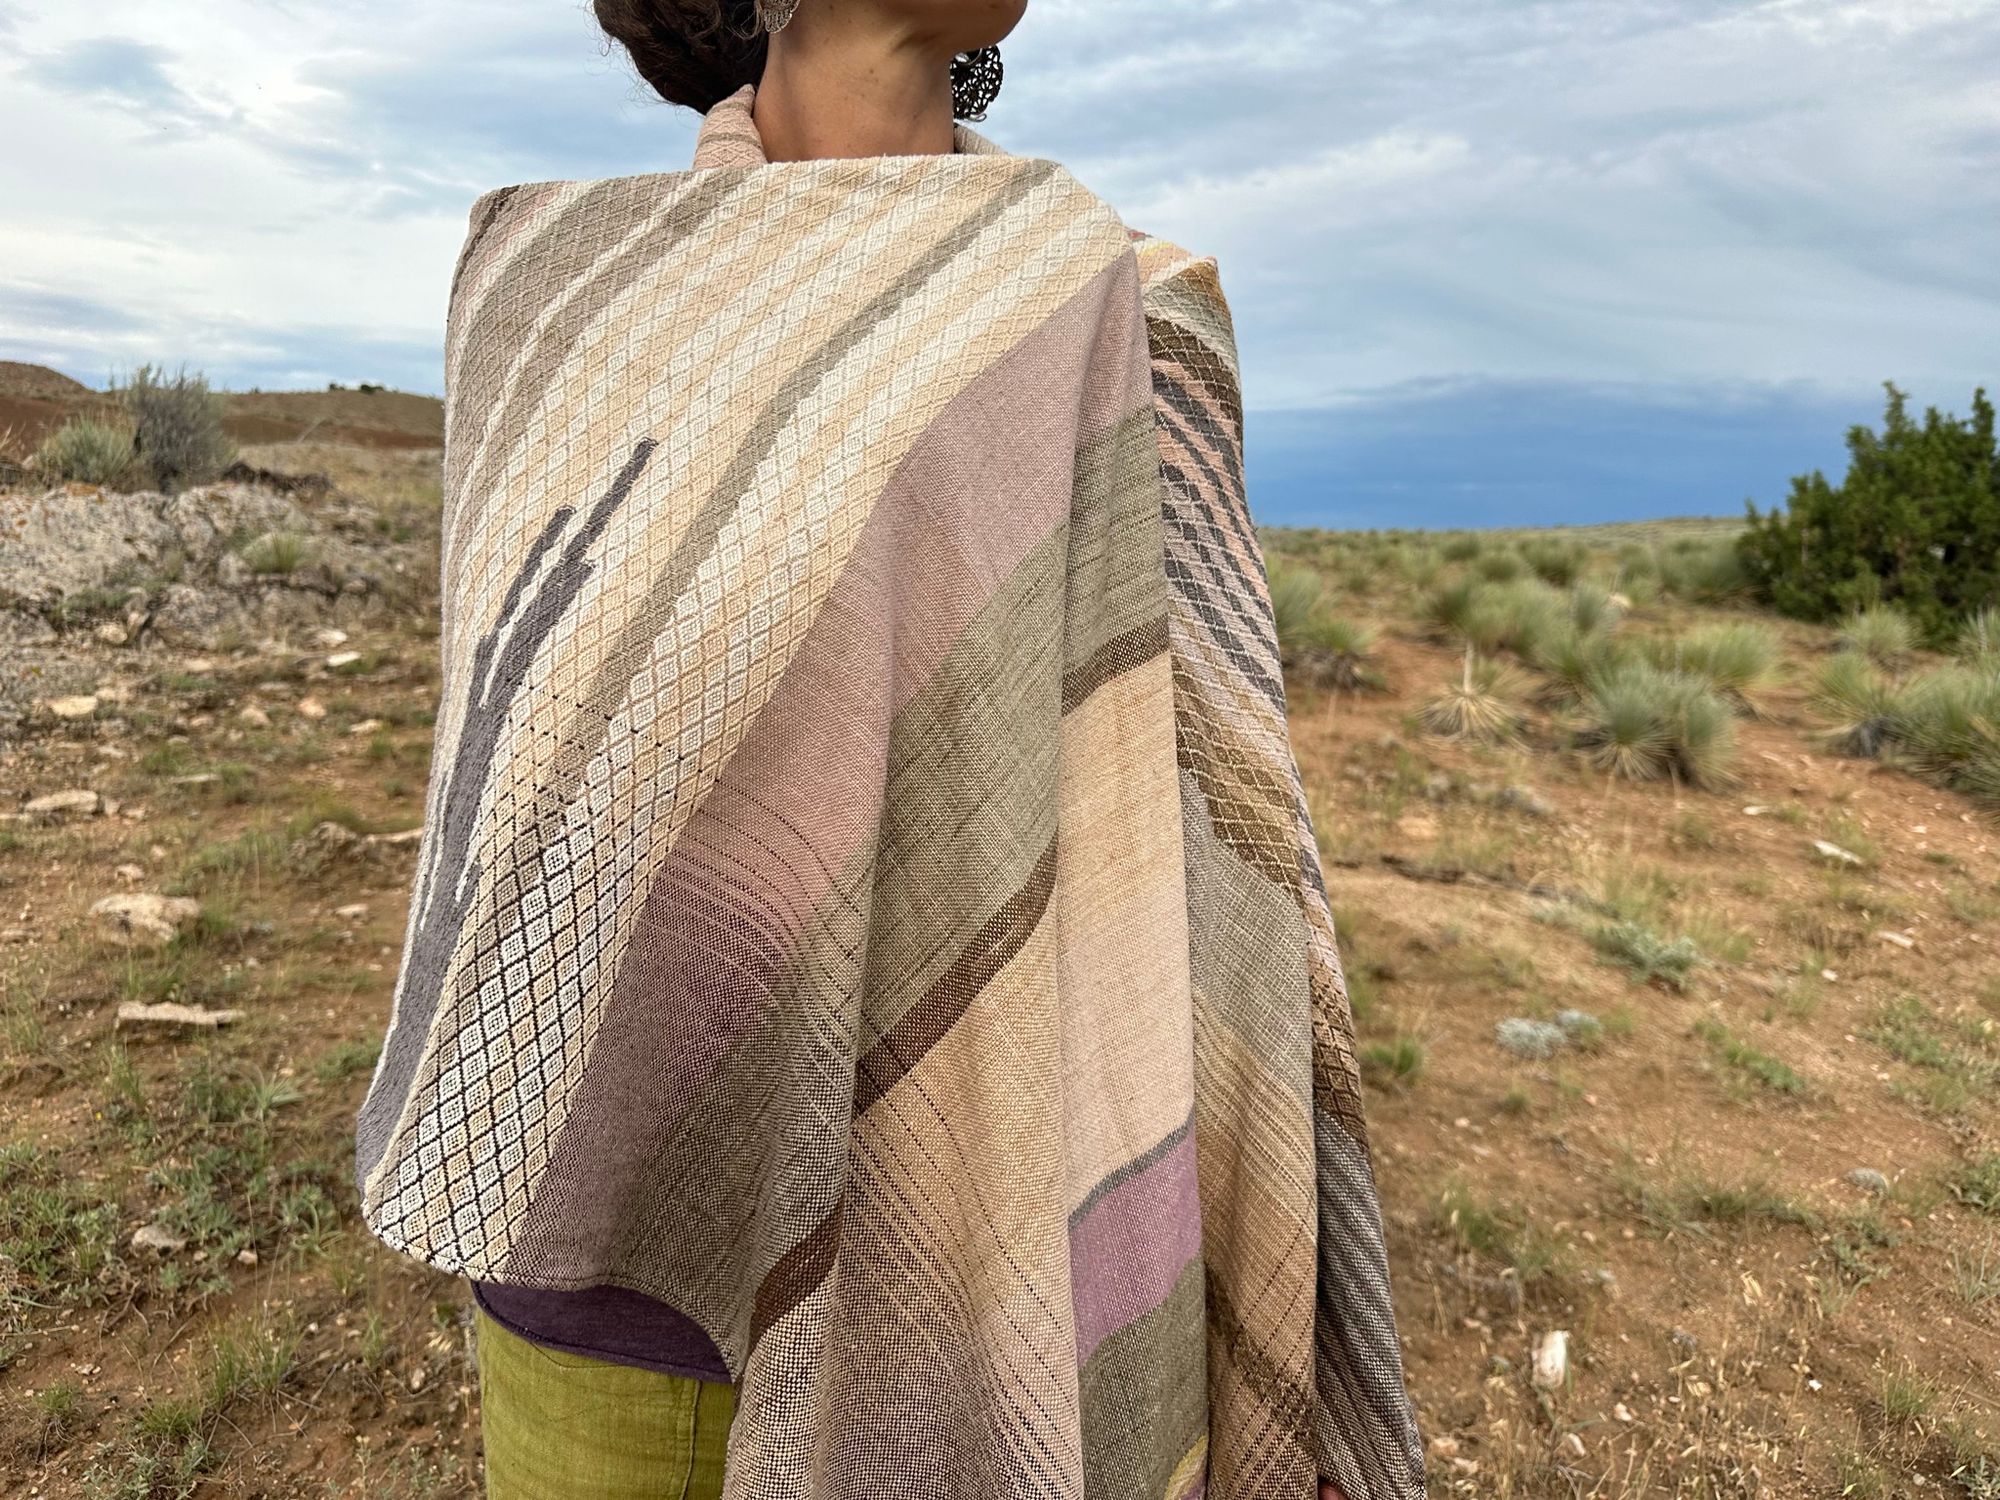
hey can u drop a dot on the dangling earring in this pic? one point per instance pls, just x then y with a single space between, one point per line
975 82
776 15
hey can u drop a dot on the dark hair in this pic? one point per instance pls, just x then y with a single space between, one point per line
693 52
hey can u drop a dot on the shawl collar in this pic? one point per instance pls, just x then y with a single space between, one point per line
729 135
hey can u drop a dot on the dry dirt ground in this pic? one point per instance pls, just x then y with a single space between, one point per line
1670 1187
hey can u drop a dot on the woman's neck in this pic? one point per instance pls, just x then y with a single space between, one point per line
835 87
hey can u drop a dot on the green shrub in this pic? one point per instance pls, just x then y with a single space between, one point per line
1515 616
86 450
1575 659
1500 567
1915 522
1948 721
177 426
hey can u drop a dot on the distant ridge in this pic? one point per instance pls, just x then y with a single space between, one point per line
38 382
35 400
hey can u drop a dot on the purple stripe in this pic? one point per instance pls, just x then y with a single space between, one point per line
1131 1245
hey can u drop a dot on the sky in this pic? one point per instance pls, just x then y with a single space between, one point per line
1492 262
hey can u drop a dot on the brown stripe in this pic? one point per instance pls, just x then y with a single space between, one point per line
1121 653
797 1274
1282 1396
495 201
934 1014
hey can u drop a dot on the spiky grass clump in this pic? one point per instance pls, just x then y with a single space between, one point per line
1592 608
1705 571
1882 633
1484 704
1979 638
1643 723
1575 659
1947 723
1859 702
1337 652
87 451
1295 593
1553 561
1447 610
1737 661
1515 617
1500 567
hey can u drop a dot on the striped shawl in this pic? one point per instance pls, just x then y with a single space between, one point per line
866 898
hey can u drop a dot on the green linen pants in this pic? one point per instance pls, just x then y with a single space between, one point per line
562 1426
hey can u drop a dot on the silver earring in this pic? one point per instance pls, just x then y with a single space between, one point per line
776 14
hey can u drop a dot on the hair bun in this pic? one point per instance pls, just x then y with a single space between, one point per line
693 52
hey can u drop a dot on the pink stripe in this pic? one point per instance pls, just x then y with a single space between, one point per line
1132 1245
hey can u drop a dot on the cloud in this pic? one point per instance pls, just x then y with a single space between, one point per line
1568 195
128 74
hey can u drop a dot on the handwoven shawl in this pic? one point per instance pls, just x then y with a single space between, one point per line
866 899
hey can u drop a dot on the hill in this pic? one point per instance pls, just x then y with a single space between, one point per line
35 400
1697 1070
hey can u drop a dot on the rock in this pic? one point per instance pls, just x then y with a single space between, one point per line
1868 1180
15 935
1551 1368
77 706
157 1237
246 1257
186 1017
1572 1444
1836 854
112 633
1529 1038
353 912
1896 939
1524 799
365 726
52 804
329 639
254 716
144 918
130 873
1622 1412
340 660
311 708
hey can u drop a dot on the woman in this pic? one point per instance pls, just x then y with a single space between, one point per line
870 1023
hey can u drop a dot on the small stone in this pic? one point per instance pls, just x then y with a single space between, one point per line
144 917
1896 939
340 660
189 1017
246 1257
254 716
1572 1444
1622 1412
365 726
130 872
155 1237
76 706
1835 853
1525 799
1868 1180
311 708
77 801
112 633
353 912
1551 1369
328 639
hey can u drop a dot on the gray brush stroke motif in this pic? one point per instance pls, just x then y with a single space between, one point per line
495 679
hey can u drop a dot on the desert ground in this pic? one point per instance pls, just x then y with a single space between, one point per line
1691 1059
